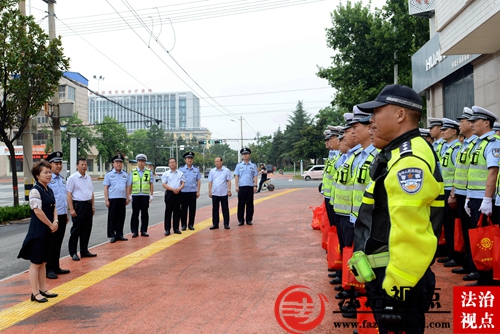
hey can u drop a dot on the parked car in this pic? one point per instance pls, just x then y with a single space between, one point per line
159 172
207 171
313 172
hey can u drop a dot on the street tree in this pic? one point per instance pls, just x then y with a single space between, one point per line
298 121
112 139
73 127
367 44
30 68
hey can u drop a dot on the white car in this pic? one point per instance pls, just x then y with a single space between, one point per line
159 172
314 172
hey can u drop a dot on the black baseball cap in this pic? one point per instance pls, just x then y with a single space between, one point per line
399 95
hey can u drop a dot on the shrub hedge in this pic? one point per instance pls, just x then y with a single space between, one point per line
9 213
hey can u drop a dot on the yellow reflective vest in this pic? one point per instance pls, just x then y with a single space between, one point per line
342 203
141 185
402 210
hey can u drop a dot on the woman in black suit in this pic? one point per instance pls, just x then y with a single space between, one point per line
43 222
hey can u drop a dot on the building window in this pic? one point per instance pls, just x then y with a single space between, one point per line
90 165
458 91
71 93
62 92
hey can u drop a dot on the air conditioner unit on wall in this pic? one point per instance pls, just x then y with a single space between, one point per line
423 8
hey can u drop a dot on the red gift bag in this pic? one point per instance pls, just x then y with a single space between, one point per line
496 258
365 318
348 278
481 243
334 256
458 238
442 240
317 219
324 239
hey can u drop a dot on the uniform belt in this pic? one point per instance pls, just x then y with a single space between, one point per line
378 260
89 201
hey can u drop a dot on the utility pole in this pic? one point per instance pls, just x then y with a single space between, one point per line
27 138
56 124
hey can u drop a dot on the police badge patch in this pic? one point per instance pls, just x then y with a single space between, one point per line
410 180
496 152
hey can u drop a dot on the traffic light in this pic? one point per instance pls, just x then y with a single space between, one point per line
202 142
217 141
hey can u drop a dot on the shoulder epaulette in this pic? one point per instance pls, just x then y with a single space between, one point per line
405 148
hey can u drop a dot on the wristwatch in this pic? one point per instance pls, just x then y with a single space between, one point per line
56 221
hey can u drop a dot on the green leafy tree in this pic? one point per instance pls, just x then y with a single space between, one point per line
73 127
297 122
113 139
365 43
278 148
30 68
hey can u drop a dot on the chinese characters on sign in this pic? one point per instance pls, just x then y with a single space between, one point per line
123 91
474 309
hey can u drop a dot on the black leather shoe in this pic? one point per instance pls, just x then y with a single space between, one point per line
332 275
471 277
62 271
451 263
43 300
214 227
342 295
167 233
330 269
226 227
135 235
241 223
112 240
177 232
444 259
191 228
338 288
48 295
144 234
51 275
336 280
88 254
75 257
184 228
249 223
350 314
460 271
122 238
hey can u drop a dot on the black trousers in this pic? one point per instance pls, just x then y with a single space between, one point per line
466 223
82 227
416 303
140 204
188 203
116 216
346 231
245 204
329 211
172 206
223 200
56 240
261 183
449 229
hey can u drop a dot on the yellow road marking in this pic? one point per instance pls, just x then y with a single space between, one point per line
26 309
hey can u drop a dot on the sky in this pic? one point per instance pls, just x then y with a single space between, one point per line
249 61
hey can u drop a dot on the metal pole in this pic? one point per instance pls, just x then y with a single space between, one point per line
27 138
56 124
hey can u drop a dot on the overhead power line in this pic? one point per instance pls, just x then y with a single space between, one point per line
109 22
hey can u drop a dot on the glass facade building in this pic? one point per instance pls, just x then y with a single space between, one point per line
179 110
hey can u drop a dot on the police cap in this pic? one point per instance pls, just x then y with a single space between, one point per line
449 124
399 95
481 113
141 156
245 150
466 114
188 155
117 158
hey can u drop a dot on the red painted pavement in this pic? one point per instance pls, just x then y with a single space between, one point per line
220 281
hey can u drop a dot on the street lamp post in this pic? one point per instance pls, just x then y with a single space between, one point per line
241 135
99 78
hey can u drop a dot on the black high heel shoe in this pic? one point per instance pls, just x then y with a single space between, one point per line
33 299
48 295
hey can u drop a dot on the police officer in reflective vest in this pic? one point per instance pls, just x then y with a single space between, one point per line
449 152
140 192
482 178
401 213
459 189
435 125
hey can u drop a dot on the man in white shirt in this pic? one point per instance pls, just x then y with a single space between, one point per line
173 182
219 189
